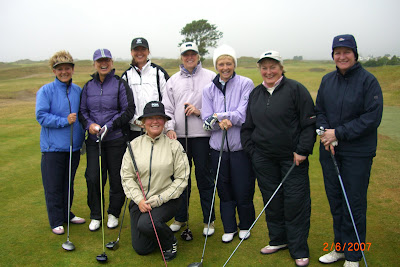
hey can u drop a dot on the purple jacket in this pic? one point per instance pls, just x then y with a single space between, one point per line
228 103
184 87
109 103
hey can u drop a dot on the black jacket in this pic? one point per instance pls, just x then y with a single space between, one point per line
279 124
352 104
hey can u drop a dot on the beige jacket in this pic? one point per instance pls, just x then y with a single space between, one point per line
158 160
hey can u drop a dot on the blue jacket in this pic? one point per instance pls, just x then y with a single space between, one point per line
54 102
109 103
352 104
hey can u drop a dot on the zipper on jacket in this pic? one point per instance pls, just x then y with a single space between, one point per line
226 136
151 158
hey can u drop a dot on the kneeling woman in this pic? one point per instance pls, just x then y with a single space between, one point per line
163 170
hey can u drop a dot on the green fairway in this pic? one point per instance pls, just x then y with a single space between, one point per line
26 238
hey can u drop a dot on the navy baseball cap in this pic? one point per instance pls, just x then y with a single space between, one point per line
345 40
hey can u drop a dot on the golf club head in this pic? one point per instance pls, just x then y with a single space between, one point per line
187 235
196 264
102 258
68 246
113 245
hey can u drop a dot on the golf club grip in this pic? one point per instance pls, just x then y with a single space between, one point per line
186 123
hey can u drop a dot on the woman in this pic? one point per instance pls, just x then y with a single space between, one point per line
158 159
106 108
146 79
57 105
225 101
349 107
279 131
182 101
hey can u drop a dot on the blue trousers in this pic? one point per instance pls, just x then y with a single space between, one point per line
111 159
55 177
288 214
355 173
235 187
199 150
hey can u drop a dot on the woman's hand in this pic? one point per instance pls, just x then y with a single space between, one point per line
225 124
144 207
71 118
94 128
190 109
327 138
171 134
298 158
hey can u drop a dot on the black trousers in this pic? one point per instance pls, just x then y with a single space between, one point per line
111 160
355 173
55 177
288 214
144 240
235 187
199 150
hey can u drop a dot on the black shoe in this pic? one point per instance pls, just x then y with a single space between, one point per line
170 254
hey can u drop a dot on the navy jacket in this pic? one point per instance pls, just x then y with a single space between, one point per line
352 104
109 103
279 124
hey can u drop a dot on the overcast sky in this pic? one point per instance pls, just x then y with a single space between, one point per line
35 29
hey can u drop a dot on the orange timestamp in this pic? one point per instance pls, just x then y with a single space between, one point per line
347 246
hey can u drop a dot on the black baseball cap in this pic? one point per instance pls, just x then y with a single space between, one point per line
140 41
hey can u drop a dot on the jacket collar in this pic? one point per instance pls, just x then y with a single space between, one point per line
60 83
96 76
218 83
351 71
186 73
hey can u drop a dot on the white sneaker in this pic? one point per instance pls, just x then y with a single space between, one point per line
112 221
228 237
242 234
77 220
210 231
351 264
176 226
94 225
331 257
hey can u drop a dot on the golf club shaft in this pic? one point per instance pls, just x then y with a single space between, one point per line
123 216
187 188
266 205
69 178
215 187
101 194
144 196
348 205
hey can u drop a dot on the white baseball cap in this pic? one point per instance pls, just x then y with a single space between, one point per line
271 54
189 46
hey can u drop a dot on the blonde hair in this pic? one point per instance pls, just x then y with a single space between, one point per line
221 57
61 57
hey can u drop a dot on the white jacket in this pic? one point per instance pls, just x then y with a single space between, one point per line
182 88
144 87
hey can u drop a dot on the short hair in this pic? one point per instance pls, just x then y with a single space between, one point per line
271 60
61 57
225 57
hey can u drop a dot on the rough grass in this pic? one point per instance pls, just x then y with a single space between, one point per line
27 240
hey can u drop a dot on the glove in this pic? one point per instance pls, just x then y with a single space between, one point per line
321 131
102 133
209 122
155 201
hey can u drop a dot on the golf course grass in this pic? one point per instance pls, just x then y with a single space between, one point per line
25 235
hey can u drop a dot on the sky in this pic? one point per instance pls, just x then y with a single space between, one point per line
37 29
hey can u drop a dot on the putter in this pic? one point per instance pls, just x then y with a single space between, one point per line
68 245
102 258
321 131
114 245
266 205
200 264
144 196
187 234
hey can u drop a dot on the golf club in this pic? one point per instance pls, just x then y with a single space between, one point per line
266 205
114 245
200 264
144 196
187 234
102 258
321 131
68 245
